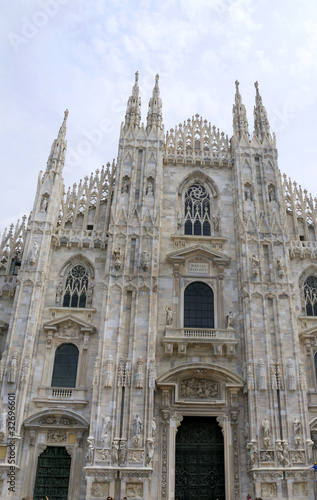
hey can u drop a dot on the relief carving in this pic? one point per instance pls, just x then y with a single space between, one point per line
198 388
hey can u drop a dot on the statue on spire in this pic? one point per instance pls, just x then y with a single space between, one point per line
154 116
261 122
240 121
133 114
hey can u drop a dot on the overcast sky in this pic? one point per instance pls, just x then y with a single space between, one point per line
82 55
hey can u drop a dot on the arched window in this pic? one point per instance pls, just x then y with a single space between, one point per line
65 366
75 292
198 306
197 211
310 295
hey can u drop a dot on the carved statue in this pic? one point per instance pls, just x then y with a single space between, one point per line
266 431
145 260
117 256
247 193
33 253
302 376
122 452
12 374
105 428
149 189
297 431
139 377
272 194
169 315
115 451
215 221
273 376
250 376
137 429
279 451
2 364
229 319
262 376
44 204
153 426
285 453
255 264
125 186
253 452
90 293
91 450
280 267
59 292
150 452
25 369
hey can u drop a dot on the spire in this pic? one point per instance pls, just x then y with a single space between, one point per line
133 114
57 156
240 121
154 116
261 123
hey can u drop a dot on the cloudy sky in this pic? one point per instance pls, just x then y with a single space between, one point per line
82 55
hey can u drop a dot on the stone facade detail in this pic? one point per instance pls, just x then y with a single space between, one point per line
177 284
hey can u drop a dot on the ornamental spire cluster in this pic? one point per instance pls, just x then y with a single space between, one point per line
240 121
154 116
261 122
133 114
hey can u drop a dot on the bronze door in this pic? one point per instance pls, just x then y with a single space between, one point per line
199 462
52 476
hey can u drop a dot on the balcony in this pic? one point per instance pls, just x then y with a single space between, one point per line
223 342
66 396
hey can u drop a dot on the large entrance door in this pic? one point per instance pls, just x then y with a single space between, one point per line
52 476
199 464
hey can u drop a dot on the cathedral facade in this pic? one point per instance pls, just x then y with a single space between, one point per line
158 321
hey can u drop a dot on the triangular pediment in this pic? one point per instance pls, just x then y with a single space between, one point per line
72 321
215 256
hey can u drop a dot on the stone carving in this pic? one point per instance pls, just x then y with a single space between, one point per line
150 452
117 257
90 293
32 437
280 377
85 341
127 373
105 428
56 436
152 374
199 388
291 375
149 188
33 253
153 427
13 369
104 454
3 423
272 196
135 456
96 376
122 452
273 376
300 489
268 490
137 429
2 364
298 457
266 431
250 376
115 451
247 431
169 315
125 185
247 192
91 450
44 203
297 431
255 265
302 377
229 320
134 490
285 453
139 376
280 267
252 450
310 445
279 452
99 489
25 369
215 221
267 456
145 260
109 372
262 376
59 292
68 330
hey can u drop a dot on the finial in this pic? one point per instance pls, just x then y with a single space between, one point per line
157 76
136 77
66 114
237 84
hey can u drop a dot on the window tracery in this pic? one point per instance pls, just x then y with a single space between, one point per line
197 211
76 286
310 295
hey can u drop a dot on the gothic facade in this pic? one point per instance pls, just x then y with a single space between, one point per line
158 322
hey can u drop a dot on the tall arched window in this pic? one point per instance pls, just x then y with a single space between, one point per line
197 211
65 366
76 286
198 306
310 295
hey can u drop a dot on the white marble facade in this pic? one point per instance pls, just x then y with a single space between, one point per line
104 268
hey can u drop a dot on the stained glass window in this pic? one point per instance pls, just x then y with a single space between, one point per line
197 211
76 286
